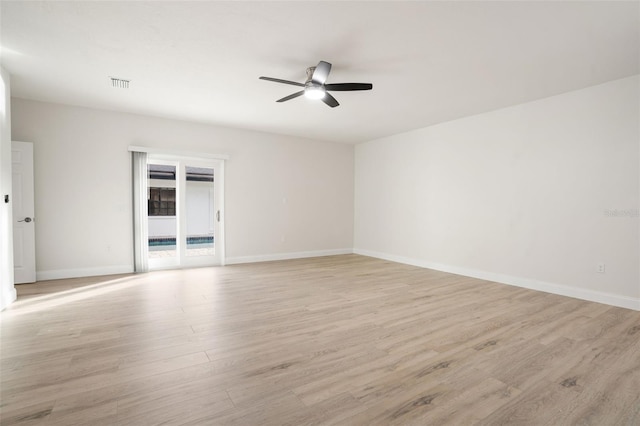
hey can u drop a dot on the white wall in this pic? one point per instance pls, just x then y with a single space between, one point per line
519 195
162 226
200 208
7 290
285 196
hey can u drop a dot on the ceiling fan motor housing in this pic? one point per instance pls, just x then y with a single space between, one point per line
313 90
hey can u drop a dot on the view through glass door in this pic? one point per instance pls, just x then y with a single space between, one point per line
200 211
183 212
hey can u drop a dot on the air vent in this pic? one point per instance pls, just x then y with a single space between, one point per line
119 82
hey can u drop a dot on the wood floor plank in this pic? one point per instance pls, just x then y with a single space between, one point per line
337 340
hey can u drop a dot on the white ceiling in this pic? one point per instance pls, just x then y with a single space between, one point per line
429 62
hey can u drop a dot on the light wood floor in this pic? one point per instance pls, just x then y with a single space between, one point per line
344 340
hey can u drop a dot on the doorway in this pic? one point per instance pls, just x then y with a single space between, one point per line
184 212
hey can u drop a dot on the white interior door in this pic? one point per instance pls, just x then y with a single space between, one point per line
24 240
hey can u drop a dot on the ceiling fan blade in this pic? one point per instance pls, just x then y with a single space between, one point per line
345 87
321 73
277 80
293 95
330 100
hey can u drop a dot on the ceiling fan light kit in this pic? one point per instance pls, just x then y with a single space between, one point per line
314 92
316 87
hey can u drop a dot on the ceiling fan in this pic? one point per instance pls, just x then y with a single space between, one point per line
316 86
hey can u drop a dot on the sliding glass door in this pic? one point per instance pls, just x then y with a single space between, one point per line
184 203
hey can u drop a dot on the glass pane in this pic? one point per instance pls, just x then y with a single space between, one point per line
161 213
200 212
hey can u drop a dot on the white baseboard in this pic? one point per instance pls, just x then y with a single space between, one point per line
559 289
58 274
286 256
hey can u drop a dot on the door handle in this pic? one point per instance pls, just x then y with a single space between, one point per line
26 219
218 215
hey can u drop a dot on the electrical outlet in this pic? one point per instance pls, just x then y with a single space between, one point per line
600 268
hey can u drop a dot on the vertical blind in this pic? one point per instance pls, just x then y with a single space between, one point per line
140 226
